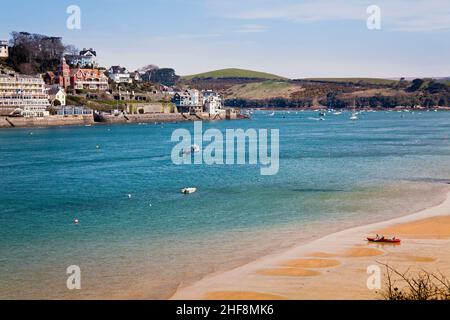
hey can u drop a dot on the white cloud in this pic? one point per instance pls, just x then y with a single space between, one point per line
399 15
252 28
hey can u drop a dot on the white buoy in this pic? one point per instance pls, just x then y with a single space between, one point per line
75 221
129 196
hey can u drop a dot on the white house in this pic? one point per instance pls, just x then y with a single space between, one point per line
188 98
206 94
119 75
56 93
195 97
188 101
4 49
213 104
136 76
86 58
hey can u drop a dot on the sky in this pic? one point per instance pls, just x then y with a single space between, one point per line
291 38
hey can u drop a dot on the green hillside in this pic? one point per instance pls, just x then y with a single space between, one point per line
262 90
356 80
234 73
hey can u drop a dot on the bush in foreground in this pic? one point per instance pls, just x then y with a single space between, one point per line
422 285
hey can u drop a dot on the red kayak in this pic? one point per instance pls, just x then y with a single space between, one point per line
384 240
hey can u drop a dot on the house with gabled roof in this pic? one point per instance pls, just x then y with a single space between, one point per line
86 58
119 74
88 79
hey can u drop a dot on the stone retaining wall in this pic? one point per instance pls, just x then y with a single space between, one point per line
6 122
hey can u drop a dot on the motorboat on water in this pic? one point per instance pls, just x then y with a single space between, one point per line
188 190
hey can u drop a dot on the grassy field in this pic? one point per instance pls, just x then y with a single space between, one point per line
235 73
356 80
262 90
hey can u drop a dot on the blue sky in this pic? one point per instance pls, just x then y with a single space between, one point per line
293 38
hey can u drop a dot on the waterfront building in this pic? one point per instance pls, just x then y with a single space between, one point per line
188 101
189 97
88 79
86 59
213 104
4 53
73 111
207 93
24 95
119 74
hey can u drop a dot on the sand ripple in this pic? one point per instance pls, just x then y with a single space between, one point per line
312 263
289 272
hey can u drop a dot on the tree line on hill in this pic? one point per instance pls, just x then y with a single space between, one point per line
376 101
32 53
35 53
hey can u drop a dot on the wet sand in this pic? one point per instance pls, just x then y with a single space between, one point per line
336 266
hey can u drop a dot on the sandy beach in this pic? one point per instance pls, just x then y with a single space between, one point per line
335 266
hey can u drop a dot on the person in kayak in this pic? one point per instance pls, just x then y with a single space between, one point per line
380 238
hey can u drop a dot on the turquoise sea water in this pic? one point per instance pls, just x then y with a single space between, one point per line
333 174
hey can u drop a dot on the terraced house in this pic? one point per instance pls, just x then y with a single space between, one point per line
88 79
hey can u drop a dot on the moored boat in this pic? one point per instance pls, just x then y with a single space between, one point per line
188 190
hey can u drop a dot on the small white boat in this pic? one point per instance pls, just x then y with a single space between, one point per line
337 113
188 190
354 113
193 149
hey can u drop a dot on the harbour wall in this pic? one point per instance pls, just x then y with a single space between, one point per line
56 120
78 120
